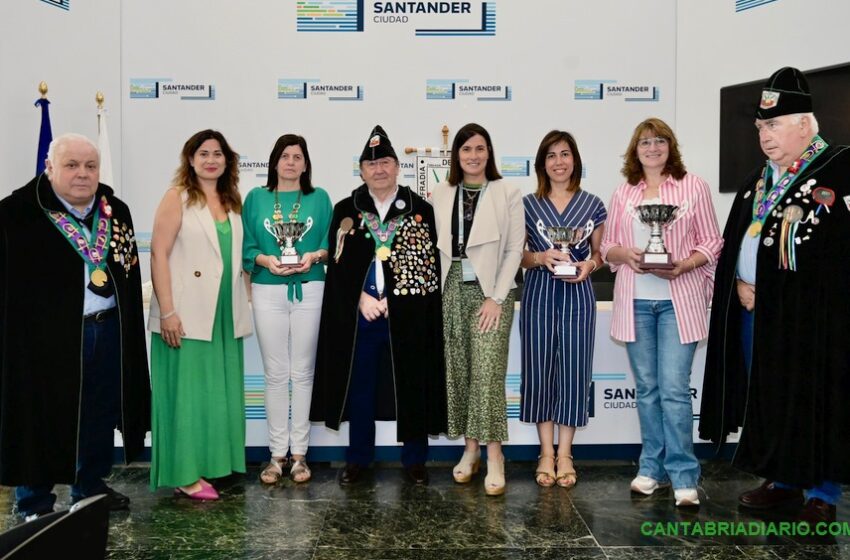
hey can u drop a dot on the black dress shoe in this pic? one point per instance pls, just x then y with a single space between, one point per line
769 496
417 474
350 474
816 511
115 500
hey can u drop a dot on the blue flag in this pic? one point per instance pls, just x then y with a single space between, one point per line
45 136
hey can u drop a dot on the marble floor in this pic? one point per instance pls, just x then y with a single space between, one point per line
384 517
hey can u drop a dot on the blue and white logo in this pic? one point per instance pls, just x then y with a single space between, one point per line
599 90
517 166
256 168
305 88
64 4
454 89
154 88
741 5
329 16
143 241
428 19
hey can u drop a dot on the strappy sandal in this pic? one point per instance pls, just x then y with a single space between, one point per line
300 472
545 477
566 478
273 471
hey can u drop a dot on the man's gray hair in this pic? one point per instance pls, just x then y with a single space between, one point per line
67 137
795 119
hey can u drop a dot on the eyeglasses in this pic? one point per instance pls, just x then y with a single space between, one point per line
647 142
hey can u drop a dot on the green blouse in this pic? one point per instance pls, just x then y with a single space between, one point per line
316 210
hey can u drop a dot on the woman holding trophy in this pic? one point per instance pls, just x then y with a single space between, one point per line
480 237
563 232
200 312
286 240
661 296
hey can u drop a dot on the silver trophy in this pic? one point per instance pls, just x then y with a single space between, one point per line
287 233
565 237
656 216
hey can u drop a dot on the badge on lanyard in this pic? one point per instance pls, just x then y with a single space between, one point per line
468 271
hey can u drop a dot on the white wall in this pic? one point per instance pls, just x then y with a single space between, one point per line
77 52
717 47
685 48
101 44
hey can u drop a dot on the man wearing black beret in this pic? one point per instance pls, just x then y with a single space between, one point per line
778 362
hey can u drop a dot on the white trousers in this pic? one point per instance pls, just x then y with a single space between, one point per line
287 333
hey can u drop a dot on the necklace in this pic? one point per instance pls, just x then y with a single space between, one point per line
469 198
277 214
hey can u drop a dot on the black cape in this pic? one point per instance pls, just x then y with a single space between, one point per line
793 411
416 368
41 309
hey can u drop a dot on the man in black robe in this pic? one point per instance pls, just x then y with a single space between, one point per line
778 362
73 362
380 349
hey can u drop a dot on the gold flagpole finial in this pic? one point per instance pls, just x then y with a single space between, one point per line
42 89
99 98
445 131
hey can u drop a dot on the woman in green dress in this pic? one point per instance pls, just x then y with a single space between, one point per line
199 315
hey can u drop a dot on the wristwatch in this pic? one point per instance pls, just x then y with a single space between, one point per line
500 301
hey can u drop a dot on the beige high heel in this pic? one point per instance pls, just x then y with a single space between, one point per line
494 482
468 466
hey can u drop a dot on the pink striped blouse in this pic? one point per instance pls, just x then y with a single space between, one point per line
695 228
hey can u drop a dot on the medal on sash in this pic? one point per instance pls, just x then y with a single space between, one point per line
383 234
93 255
765 202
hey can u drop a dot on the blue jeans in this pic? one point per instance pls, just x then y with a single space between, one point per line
829 492
662 370
100 408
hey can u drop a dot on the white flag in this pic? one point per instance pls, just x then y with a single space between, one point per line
105 154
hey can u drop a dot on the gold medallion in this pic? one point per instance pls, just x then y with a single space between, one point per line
98 277
755 229
383 252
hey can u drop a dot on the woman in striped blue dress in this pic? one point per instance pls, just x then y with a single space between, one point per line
558 316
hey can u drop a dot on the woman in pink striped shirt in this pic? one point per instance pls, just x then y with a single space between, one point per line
661 313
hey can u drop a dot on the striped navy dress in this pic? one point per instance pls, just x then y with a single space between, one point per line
557 319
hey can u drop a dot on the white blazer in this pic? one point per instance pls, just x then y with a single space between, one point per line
494 245
196 270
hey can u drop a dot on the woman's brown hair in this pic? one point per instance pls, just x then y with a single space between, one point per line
491 172
544 185
227 186
633 170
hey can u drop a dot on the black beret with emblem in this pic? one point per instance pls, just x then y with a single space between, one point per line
786 92
377 146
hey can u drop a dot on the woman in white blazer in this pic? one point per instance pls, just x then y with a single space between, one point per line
480 235
199 315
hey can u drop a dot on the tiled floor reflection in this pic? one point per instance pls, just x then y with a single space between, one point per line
386 518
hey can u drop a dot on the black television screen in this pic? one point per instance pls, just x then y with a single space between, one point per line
739 148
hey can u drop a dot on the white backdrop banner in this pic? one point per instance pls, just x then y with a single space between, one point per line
331 70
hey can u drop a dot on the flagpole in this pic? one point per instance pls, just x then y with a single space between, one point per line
106 176
45 136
